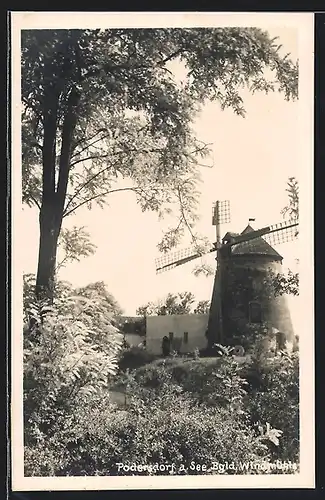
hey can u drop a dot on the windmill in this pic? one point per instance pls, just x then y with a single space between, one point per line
239 299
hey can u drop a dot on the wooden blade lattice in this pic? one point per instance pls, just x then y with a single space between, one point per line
276 234
175 259
284 232
221 212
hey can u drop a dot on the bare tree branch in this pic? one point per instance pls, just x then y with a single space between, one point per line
133 150
83 185
89 145
87 158
184 216
35 201
171 56
98 196
88 139
60 264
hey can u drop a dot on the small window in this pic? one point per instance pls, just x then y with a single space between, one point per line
185 337
255 312
171 336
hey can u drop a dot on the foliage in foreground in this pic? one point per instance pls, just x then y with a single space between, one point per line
135 357
276 400
70 354
264 389
168 427
178 411
166 422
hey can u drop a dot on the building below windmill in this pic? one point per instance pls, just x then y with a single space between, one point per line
185 332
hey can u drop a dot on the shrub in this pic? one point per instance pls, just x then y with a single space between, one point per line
135 357
69 358
217 383
196 353
275 399
165 428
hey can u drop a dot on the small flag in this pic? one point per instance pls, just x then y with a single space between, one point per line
251 220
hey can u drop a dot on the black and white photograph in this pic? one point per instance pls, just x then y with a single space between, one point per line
162 250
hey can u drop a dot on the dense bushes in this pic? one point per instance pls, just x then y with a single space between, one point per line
70 354
165 423
214 382
134 357
264 390
179 411
165 427
277 401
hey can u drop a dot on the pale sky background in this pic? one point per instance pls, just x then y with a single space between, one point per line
253 158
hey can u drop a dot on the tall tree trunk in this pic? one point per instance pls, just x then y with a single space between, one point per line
48 242
48 236
53 200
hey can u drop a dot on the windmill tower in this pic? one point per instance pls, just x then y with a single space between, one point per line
242 298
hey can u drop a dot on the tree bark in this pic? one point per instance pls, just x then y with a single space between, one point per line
48 238
48 242
53 199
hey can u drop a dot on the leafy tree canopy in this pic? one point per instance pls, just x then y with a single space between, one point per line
289 283
103 106
292 208
179 303
286 283
102 303
202 307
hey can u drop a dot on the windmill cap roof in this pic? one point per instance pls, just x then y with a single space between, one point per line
256 246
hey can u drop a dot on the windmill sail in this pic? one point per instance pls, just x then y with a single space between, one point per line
175 259
281 233
275 234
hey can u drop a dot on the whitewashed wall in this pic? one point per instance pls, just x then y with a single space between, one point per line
159 326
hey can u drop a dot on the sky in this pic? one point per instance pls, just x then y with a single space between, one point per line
252 159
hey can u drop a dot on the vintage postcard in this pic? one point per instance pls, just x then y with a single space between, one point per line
162 250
